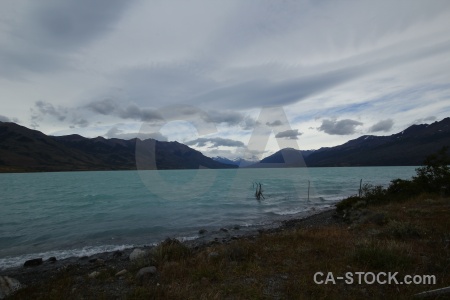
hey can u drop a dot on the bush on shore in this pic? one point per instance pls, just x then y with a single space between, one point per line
432 178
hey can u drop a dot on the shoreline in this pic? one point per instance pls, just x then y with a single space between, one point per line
199 237
119 259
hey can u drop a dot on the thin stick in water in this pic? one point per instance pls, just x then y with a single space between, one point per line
360 190
308 188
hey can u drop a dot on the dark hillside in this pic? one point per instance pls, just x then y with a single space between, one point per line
26 150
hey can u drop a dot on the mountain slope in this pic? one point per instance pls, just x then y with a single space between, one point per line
285 158
409 147
22 149
26 150
278 157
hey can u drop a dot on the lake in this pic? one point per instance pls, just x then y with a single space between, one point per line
81 213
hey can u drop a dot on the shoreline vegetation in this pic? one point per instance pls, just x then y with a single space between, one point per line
403 228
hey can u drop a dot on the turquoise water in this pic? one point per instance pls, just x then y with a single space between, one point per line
81 213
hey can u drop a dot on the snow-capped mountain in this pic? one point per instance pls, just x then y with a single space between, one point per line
240 162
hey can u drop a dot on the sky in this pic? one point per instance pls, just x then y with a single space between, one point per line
228 78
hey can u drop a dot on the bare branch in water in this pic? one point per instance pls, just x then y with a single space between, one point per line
258 192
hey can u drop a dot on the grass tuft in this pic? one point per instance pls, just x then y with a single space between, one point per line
402 230
170 250
381 257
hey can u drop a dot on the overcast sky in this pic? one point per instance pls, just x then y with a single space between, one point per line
330 71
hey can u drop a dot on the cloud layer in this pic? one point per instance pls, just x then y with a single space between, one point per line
130 111
337 69
215 142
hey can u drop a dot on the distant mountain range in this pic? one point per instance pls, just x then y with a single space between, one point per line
407 148
26 150
240 162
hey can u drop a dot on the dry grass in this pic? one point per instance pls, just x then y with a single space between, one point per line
414 240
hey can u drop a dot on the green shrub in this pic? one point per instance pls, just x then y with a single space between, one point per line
401 189
373 193
347 203
434 176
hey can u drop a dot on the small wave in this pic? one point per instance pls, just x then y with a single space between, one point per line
187 238
287 212
331 198
299 211
11 262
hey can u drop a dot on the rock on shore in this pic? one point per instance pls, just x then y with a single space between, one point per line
137 254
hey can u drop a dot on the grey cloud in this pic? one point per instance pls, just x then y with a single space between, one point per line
227 116
384 125
81 122
342 127
235 153
231 118
46 108
190 111
5 119
264 92
425 120
66 24
430 119
15 61
43 34
256 23
103 107
47 35
42 109
114 132
131 111
170 83
218 152
215 142
274 123
196 83
291 134
249 123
